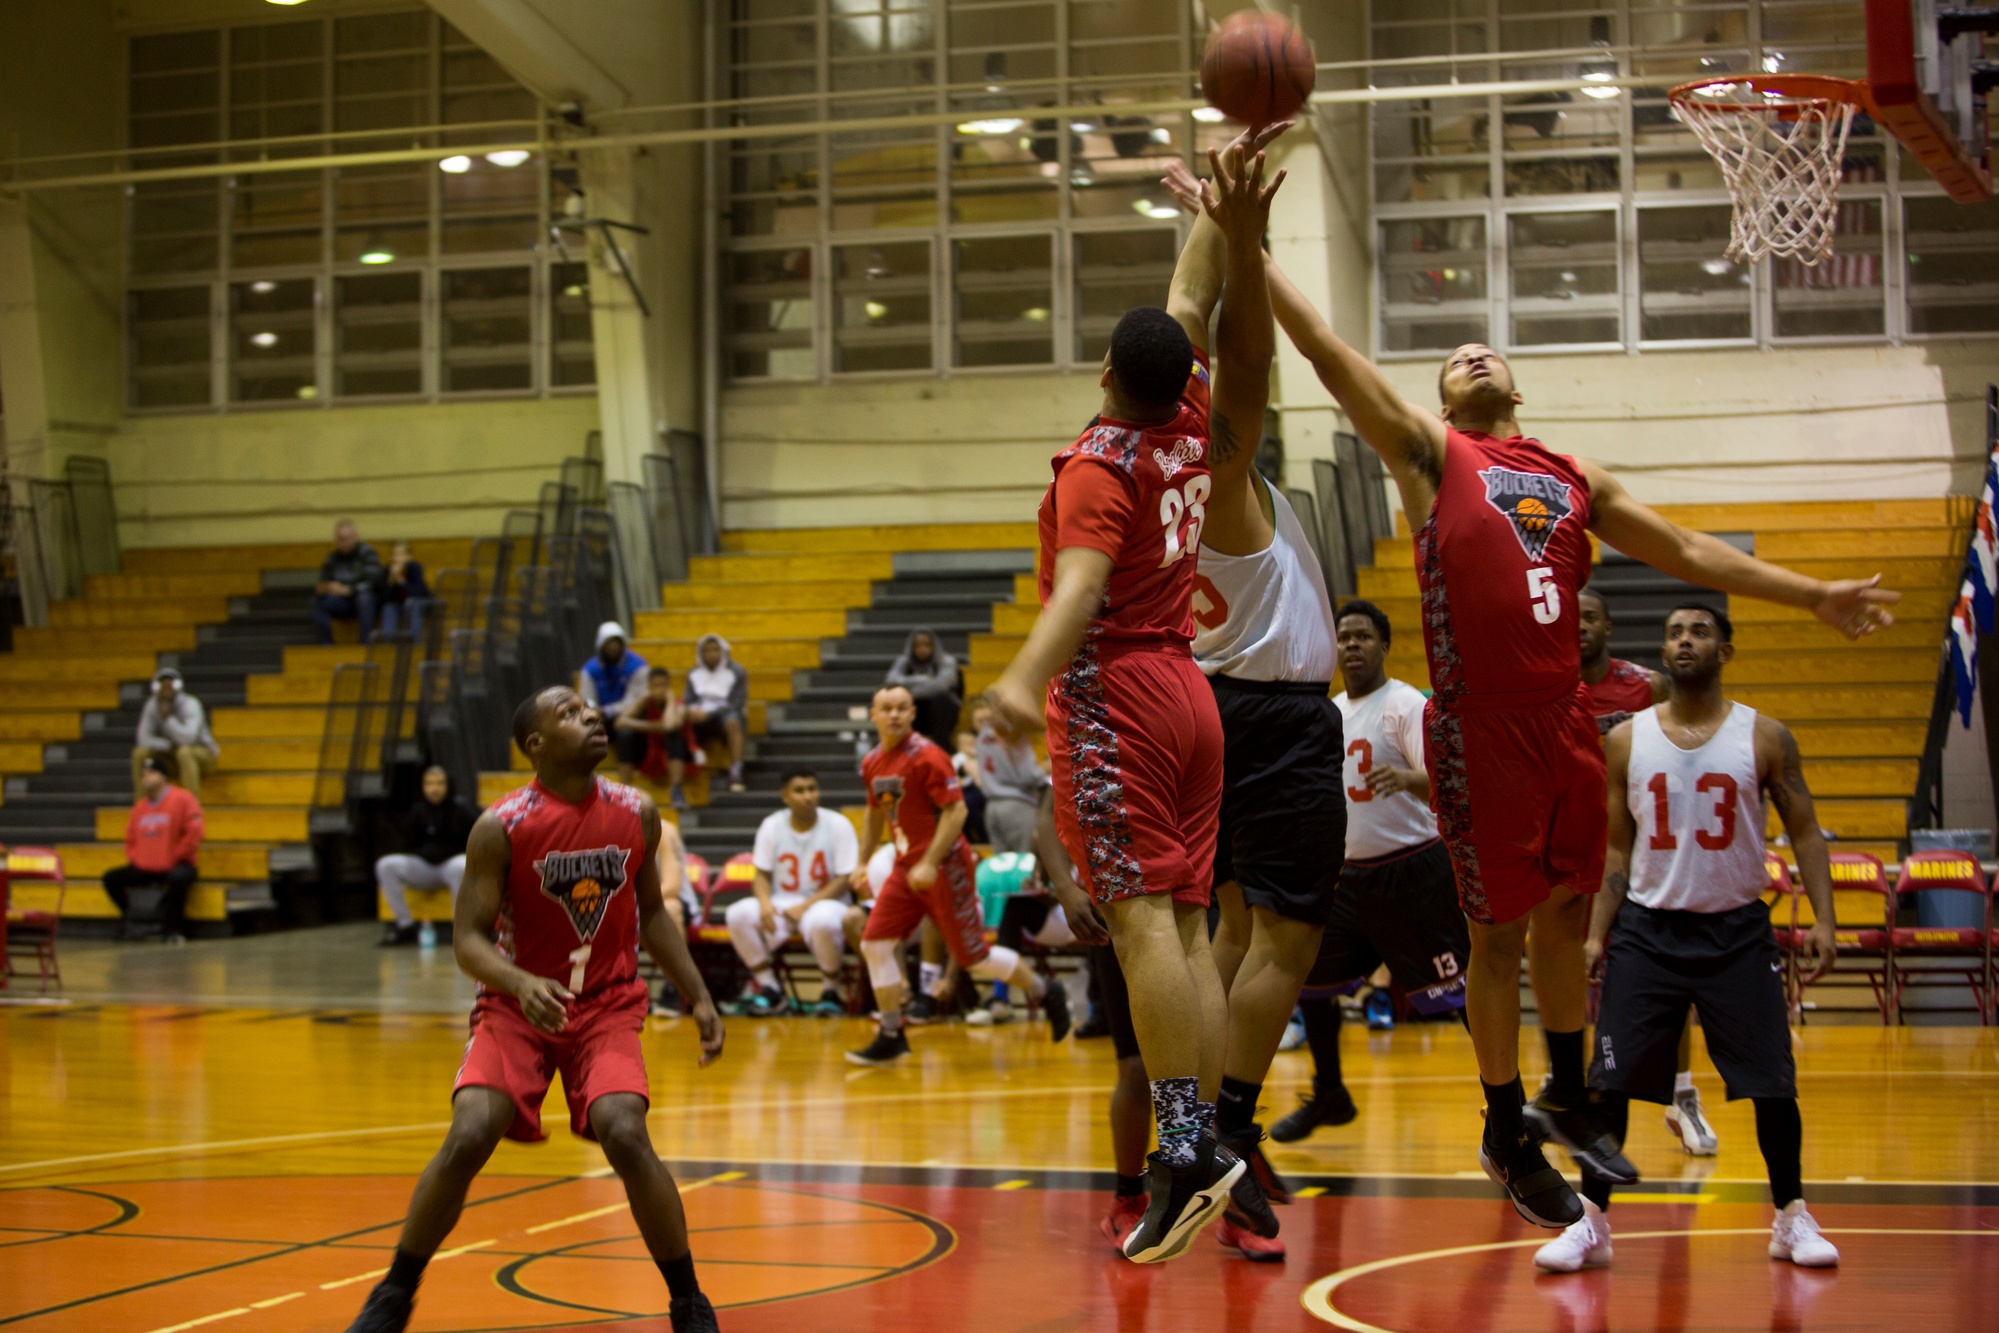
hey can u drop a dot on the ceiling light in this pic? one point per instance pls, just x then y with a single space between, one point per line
876 310
1716 266
573 289
1147 209
994 125
1773 62
263 286
1209 115
1083 126
286 3
1039 314
264 339
508 157
377 252
1162 135
457 166
306 391
1597 78
1568 277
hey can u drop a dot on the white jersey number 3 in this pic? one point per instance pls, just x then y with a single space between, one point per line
1544 595
1191 505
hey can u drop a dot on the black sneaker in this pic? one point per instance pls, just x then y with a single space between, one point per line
1243 1143
1321 1108
1055 1004
395 936
882 1050
1249 1206
1579 1130
692 1315
1538 1191
387 1310
1183 1200
922 1009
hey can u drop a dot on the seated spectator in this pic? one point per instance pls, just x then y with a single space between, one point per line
718 701
651 737
681 905
965 763
804 860
404 593
1012 780
434 836
348 586
173 728
162 845
931 676
615 681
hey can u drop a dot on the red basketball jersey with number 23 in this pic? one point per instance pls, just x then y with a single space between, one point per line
571 907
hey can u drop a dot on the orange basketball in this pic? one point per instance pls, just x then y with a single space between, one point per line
1258 67
1532 515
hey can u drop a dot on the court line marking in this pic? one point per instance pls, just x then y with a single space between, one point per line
1013 1184
379 1272
224 1145
621 1205
276 1300
1660 1196
205 1319
1318 1297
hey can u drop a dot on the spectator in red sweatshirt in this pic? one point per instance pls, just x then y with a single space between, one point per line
162 842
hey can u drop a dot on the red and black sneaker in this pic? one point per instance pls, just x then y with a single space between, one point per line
1246 1144
1257 1249
1125 1211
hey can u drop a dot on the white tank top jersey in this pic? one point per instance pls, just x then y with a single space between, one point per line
1699 816
1265 616
1384 729
804 862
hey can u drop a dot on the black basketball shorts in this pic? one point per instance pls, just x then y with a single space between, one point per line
1402 911
1284 806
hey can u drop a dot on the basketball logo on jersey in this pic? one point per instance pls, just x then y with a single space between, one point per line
583 884
887 796
1533 502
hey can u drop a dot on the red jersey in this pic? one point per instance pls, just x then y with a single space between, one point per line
1624 690
910 785
1138 494
571 907
1500 562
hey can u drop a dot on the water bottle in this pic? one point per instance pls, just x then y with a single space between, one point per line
426 935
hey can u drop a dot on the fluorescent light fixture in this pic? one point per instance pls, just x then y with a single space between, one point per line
1037 313
508 157
1161 134
993 125
263 286
1145 208
876 310
457 166
1716 266
378 252
1773 62
1568 276
306 391
286 3
1083 126
1209 115
1597 77
264 339
573 289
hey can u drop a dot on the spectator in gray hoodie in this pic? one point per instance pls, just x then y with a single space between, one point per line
173 726
931 676
1011 778
718 701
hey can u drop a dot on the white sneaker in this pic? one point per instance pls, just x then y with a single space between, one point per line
1684 1118
1294 1034
999 1011
1586 1244
1795 1235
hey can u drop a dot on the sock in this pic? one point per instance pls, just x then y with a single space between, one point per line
1596 1189
766 978
1780 1133
891 1022
1235 1106
1176 1106
1565 1067
1502 1110
1683 1082
928 975
1322 1036
999 992
1205 1113
1615 1110
679 1275
1130 1187
406 1269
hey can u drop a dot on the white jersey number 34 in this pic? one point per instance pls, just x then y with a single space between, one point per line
1190 503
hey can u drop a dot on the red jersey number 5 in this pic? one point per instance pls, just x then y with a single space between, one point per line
1190 504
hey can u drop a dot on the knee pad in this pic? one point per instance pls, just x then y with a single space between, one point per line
998 965
880 958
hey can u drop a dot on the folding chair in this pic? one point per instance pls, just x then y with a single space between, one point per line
733 881
1970 946
1863 913
31 933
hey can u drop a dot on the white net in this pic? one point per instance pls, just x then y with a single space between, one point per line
1780 154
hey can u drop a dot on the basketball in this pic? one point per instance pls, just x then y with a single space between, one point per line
1258 67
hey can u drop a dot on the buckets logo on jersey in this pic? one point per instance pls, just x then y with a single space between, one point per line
1533 502
583 883
886 793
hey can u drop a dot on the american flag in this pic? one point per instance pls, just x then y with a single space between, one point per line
1971 614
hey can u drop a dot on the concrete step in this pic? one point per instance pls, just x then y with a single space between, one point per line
740 626
48 641
735 595
678 655
240 823
913 537
866 566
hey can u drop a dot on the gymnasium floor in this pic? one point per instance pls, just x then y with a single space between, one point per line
224 1135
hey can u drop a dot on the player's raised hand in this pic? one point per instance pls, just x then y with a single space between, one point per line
1184 186
1857 607
544 1001
710 1024
1237 198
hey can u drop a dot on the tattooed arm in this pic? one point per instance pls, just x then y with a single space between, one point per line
1617 851
1782 771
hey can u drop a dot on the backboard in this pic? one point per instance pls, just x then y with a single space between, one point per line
1926 74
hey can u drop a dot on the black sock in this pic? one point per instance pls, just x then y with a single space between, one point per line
1502 1110
679 1275
1322 1036
1130 1187
1565 1067
1780 1133
1235 1108
1615 1110
406 1269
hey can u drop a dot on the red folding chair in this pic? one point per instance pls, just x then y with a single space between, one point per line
1863 914
32 933
736 879
1969 946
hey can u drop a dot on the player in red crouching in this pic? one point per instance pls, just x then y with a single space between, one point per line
565 870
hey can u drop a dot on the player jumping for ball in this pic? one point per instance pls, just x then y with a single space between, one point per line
565 870
1516 769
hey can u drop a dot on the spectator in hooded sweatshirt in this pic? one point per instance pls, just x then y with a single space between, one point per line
162 843
718 701
1012 780
173 728
434 836
405 594
349 584
931 676
615 681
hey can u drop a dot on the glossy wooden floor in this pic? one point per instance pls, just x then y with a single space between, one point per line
224 1136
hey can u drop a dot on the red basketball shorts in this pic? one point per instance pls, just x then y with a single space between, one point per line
1518 787
597 1054
1136 745
952 902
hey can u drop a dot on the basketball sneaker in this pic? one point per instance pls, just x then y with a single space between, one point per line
1244 1144
1795 1235
1684 1118
1586 1244
1183 1200
1321 1108
692 1314
767 1004
990 1015
1055 1004
387 1310
1578 1129
829 1005
1126 1210
884 1049
1249 1205
1538 1191
1244 1241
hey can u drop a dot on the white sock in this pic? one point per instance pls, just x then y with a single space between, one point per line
766 978
929 974
1683 1082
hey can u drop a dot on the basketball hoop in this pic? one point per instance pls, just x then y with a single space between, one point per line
1780 139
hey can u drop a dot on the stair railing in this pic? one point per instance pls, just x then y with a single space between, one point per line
342 736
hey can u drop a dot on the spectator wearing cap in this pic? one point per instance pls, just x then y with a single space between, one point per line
615 681
162 843
173 728
434 836
718 700
349 584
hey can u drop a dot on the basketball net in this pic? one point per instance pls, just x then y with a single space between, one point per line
1780 141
